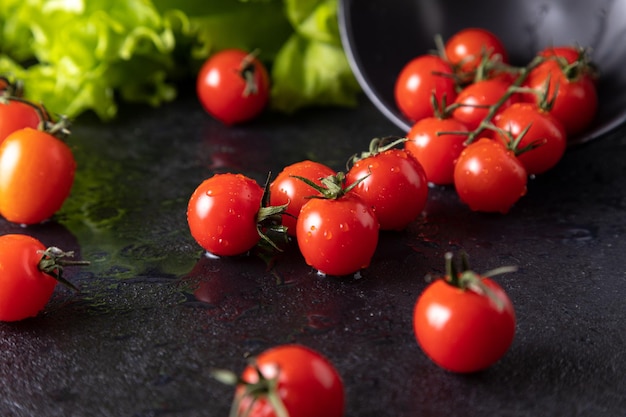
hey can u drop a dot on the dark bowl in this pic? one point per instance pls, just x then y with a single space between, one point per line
381 37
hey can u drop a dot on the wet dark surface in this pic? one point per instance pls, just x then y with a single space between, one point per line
154 316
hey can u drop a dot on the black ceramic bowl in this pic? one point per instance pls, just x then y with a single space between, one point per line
380 37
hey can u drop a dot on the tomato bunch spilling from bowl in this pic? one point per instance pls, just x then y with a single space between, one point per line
484 125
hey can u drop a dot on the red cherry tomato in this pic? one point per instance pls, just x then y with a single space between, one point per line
16 115
233 86
286 189
542 127
24 288
337 236
30 272
418 81
395 187
464 329
437 153
307 384
223 214
466 48
36 175
475 99
575 95
488 176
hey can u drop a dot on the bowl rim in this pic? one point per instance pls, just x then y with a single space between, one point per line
393 115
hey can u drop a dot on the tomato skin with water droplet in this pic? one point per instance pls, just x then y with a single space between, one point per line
337 236
286 189
222 214
394 186
488 177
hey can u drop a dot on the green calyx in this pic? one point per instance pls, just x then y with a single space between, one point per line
377 146
247 71
59 129
54 260
333 187
269 218
251 392
468 280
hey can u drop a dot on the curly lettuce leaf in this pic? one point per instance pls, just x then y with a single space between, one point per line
86 50
311 69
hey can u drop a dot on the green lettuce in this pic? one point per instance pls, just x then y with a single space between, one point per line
86 55
311 67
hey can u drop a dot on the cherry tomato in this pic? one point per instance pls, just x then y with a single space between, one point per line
233 86
222 214
16 115
488 176
395 186
575 97
542 127
30 272
286 189
419 79
570 53
475 99
307 384
466 48
437 153
466 324
36 175
24 288
337 236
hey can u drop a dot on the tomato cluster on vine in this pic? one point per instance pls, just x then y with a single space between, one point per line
484 125
335 217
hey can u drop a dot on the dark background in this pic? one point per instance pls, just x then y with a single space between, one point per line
154 316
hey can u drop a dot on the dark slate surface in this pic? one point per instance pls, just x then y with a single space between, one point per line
154 316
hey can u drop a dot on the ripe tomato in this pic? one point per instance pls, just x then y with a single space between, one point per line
475 99
488 176
542 126
395 186
222 214
420 78
437 153
16 115
29 275
36 175
233 86
24 288
575 97
286 189
301 380
466 48
464 323
570 53
337 236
